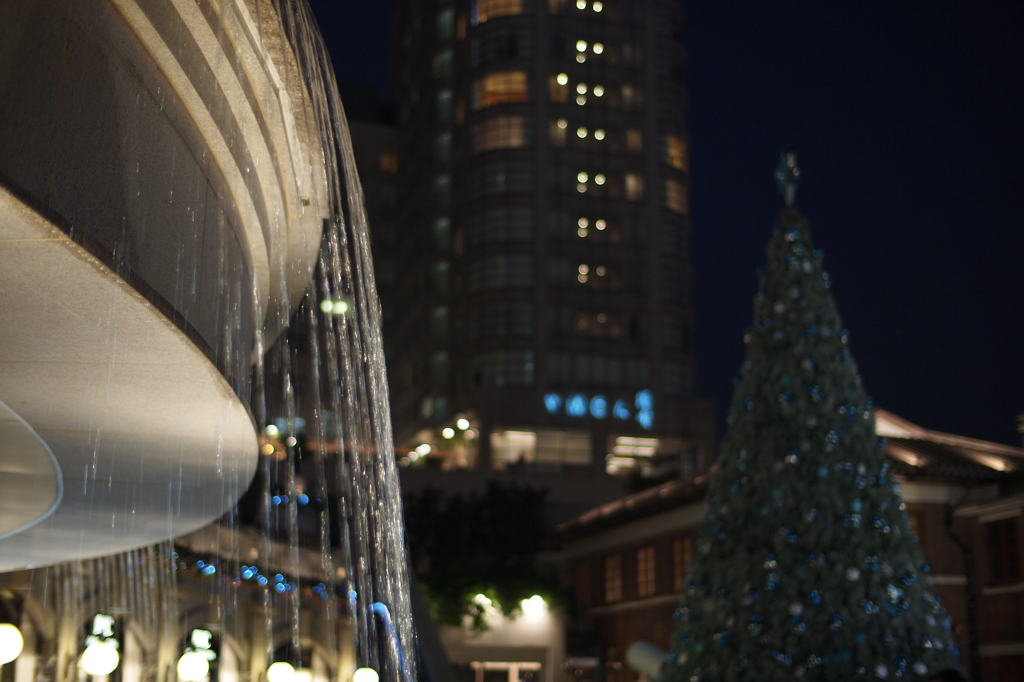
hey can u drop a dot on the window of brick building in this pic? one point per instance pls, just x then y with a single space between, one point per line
1003 552
613 579
645 572
682 554
583 584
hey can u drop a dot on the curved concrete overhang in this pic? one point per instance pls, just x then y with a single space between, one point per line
148 439
162 202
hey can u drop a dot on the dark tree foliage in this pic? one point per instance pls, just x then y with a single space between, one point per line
464 546
806 567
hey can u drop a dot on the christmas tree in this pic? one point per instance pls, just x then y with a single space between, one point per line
806 567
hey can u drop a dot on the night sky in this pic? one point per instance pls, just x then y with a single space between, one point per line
908 120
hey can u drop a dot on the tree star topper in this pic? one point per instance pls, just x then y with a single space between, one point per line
787 176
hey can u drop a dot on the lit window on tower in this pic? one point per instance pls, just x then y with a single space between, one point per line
503 132
558 132
675 152
559 88
500 88
634 141
484 10
634 187
675 196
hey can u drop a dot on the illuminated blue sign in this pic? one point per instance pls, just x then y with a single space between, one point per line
645 409
599 407
576 405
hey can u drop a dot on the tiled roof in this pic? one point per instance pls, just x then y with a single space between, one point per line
915 453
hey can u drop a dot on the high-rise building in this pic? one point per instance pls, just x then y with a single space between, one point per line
541 301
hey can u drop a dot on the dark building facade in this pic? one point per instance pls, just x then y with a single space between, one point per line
542 274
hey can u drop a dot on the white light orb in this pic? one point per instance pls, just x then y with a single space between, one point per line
326 305
100 658
193 667
303 675
463 424
365 675
448 432
11 642
280 672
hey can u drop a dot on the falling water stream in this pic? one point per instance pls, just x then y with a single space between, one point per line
315 547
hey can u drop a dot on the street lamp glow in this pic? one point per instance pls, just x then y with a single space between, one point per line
448 432
193 667
562 78
281 672
365 675
100 658
462 424
11 642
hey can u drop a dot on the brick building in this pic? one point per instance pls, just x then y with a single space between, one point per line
626 561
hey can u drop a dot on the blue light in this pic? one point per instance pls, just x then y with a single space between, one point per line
646 419
247 574
284 498
200 564
279 578
644 401
209 570
598 407
552 401
262 580
352 597
620 411
303 499
275 500
576 405
280 587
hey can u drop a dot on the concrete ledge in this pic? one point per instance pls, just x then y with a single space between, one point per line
150 440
